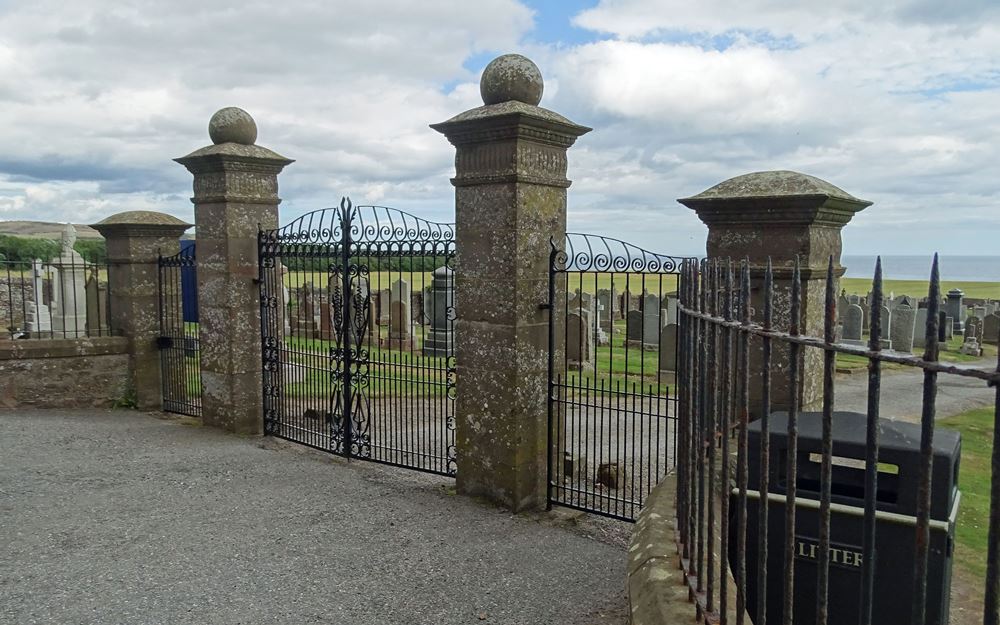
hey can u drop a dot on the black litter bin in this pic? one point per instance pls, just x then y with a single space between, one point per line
899 471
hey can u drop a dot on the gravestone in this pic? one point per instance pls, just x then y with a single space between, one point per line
991 326
305 314
653 321
440 339
633 328
853 325
69 308
607 299
886 317
949 331
979 311
384 299
974 329
286 323
579 340
920 329
39 320
97 306
904 318
668 348
955 309
400 337
842 304
326 329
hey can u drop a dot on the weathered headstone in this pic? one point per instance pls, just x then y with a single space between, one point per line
653 320
608 300
904 318
440 339
668 348
579 340
974 329
633 327
384 298
920 329
955 309
886 317
305 314
97 305
326 329
991 327
400 337
853 325
39 321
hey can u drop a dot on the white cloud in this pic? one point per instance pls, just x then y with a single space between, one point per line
897 102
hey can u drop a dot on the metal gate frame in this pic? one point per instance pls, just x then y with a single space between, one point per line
330 386
180 353
612 421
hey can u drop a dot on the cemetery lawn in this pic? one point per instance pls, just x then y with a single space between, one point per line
586 282
976 427
918 288
949 353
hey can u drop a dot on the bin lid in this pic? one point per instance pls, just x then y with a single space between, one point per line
899 445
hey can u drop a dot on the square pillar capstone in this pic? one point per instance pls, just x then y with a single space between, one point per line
135 240
780 215
235 194
510 200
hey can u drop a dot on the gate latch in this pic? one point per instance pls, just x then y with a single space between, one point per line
164 342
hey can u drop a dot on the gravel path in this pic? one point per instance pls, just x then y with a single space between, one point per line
902 392
123 517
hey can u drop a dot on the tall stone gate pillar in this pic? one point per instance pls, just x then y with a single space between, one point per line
781 215
235 193
135 240
510 198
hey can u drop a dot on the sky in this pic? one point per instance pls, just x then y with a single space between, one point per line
897 102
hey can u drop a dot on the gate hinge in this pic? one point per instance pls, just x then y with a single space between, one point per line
164 342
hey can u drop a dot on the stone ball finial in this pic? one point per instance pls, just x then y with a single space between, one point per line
511 77
232 125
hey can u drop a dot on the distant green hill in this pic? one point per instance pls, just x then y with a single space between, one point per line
45 230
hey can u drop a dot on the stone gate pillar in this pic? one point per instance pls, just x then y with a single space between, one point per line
510 198
135 240
780 214
235 193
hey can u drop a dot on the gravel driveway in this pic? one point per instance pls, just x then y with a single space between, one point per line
125 517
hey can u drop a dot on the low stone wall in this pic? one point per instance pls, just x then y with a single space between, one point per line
657 588
63 373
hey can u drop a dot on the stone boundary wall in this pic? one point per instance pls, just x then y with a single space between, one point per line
657 589
64 373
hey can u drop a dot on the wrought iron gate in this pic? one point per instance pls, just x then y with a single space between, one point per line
612 373
357 316
180 366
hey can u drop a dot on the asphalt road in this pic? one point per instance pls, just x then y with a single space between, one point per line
123 517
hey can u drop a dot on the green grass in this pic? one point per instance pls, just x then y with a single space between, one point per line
918 288
972 531
586 282
949 353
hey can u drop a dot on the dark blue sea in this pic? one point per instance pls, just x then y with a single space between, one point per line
955 268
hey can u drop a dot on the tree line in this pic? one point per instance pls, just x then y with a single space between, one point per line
22 250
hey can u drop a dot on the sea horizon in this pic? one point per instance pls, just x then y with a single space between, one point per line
954 268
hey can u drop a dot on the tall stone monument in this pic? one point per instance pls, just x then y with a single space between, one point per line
440 338
39 317
69 306
510 199
781 215
235 193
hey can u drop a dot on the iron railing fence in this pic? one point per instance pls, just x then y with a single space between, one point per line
66 297
720 335
180 349
357 323
612 373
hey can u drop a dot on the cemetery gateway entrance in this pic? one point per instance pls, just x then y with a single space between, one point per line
357 316
612 373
